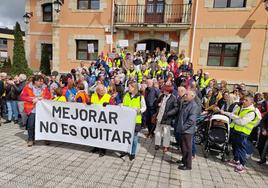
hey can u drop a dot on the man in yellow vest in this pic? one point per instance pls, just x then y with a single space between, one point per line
100 97
243 121
205 81
134 100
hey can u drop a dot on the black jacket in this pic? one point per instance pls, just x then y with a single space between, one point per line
11 92
171 109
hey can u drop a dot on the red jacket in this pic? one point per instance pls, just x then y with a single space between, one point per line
27 95
173 67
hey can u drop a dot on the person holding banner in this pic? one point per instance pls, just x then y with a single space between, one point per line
31 94
81 96
133 99
100 97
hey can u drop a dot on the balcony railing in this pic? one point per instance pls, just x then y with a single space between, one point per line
153 14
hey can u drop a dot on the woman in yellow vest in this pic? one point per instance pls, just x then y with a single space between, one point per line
243 121
133 99
100 97
59 96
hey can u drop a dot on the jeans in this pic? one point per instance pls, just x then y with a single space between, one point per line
177 135
249 147
240 142
30 126
22 113
13 111
135 143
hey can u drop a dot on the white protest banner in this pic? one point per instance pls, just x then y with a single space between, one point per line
90 48
123 43
111 55
109 39
166 37
141 47
3 54
110 127
174 44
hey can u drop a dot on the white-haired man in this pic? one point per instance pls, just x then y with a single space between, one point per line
186 122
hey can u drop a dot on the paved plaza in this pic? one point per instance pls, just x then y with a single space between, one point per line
68 165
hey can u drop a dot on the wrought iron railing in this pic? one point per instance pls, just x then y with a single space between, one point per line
153 14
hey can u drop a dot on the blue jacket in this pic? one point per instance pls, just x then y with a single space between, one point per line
151 95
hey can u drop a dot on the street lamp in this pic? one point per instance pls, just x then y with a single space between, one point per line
58 4
27 17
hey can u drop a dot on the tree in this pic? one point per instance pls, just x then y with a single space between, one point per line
19 61
45 61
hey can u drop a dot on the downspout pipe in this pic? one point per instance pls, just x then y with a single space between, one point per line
194 29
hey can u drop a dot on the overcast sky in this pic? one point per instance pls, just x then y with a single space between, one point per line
10 12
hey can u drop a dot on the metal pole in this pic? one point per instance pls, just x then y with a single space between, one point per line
194 32
112 26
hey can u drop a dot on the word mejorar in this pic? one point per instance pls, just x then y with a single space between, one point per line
85 115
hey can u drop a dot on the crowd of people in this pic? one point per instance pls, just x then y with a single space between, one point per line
164 89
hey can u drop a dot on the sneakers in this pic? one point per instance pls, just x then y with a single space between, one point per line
233 163
7 121
30 143
240 168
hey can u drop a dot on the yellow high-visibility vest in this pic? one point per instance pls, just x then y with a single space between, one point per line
245 129
135 75
95 98
134 102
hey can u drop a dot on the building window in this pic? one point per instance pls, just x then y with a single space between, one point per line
49 49
229 3
223 54
88 4
47 12
3 43
82 50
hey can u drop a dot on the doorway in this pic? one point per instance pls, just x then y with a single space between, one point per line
154 11
152 44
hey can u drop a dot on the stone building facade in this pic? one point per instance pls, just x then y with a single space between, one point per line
228 40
